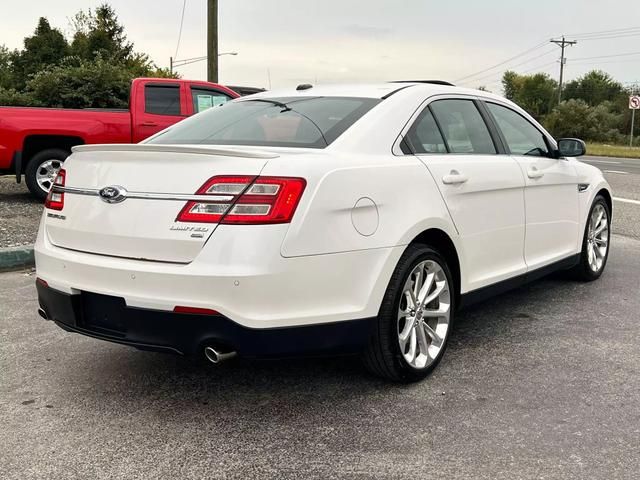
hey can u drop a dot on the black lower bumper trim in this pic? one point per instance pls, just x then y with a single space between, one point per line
108 318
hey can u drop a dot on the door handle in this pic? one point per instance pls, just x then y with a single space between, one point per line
149 124
454 178
533 172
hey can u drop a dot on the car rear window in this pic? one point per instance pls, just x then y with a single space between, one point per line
309 122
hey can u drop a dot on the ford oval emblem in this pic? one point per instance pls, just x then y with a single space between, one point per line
113 194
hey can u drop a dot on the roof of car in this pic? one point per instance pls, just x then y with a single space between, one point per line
365 90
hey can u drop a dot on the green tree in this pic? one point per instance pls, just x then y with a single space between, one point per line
576 118
511 84
6 78
100 33
79 83
11 97
594 88
47 46
535 93
95 70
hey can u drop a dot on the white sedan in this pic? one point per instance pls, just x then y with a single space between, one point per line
333 219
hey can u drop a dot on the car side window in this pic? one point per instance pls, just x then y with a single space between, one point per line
521 136
424 135
162 99
203 99
463 127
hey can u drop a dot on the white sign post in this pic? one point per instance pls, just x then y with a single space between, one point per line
634 104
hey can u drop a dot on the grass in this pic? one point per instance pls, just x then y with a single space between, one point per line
604 150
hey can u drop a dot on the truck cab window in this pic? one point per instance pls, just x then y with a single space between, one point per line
204 99
162 99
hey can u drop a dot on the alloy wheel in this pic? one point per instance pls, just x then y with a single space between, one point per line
597 237
47 172
424 314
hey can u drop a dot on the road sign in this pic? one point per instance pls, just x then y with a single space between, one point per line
634 104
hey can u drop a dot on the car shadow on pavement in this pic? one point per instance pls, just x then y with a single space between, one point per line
484 335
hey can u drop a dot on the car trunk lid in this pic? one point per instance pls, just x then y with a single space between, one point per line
157 181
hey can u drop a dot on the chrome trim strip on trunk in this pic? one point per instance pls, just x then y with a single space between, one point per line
94 192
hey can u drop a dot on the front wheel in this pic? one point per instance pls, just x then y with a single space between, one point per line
595 243
42 169
416 316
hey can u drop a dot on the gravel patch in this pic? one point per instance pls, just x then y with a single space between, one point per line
19 213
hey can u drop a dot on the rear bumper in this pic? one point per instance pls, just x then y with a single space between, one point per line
236 274
188 334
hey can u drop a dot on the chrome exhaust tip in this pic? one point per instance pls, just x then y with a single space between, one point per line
43 314
215 356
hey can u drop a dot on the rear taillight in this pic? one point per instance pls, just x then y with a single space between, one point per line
245 200
55 200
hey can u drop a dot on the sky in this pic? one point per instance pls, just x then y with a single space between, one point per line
281 43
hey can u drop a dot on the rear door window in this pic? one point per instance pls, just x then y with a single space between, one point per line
204 99
162 99
462 126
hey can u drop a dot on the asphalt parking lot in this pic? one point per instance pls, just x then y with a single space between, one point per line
542 382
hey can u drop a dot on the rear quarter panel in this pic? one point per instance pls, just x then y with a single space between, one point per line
360 202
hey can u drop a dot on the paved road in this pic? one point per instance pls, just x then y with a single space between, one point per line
614 164
543 382
623 174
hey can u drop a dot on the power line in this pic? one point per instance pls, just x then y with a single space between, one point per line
184 6
606 61
502 63
596 35
540 67
510 67
607 56
603 32
608 37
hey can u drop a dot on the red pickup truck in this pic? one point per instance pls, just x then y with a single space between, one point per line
35 141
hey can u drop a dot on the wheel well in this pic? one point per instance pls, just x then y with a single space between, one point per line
607 198
439 240
36 143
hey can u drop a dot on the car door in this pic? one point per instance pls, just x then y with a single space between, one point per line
482 189
551 192
162 108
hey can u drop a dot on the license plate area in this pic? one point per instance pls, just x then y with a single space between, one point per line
103 314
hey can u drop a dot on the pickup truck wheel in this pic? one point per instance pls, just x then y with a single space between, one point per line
42 169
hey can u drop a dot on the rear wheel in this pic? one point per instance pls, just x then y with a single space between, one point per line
42 169
595 243
412 328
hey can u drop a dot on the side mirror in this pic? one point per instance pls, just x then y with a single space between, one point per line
571 147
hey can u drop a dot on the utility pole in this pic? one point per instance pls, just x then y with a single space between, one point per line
212 41
633 116
171 65
562 44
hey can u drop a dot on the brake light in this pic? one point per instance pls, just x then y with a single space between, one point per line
244 200
55 200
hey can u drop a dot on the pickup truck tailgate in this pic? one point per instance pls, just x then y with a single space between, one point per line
155 179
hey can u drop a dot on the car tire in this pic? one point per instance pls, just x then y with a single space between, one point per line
592 243
42 169
386 355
